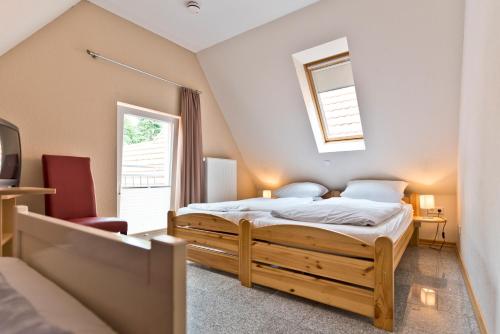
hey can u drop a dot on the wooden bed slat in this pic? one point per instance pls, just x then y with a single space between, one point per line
355 271
206 222
314 239
213 259
347 297
225 242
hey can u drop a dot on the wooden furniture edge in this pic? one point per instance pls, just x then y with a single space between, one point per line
154 280
203 221
475 305
314 238
384 284
328 266
245 253
214 259
20 191
212 240
221 241
8 211
351 298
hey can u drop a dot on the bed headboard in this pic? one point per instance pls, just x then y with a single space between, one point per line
414 200
135 286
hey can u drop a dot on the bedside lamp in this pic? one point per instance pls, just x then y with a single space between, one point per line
266 193
427 202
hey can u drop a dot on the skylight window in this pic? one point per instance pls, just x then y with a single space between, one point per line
327 83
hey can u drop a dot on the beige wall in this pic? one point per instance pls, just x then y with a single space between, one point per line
65 103
479 163
406 60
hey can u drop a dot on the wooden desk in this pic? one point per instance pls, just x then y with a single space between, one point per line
8 211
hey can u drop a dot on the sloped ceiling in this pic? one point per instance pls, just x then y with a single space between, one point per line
19 19
406 60
217 21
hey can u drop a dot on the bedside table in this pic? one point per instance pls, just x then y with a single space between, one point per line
417 222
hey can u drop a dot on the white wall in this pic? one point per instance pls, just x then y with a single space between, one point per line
406 58
479 163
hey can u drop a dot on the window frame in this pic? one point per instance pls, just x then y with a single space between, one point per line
337 59
317 54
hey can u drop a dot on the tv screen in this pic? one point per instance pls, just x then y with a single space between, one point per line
10 155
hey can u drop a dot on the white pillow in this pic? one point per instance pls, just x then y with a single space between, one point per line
376 190
301 189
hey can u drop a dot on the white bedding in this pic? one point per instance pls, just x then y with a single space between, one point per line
341 211
253 204
394 227
50 301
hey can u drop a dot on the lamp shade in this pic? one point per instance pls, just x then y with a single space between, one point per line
266 193
427 202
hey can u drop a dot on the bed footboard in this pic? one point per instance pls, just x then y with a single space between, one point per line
328 267
212 241
113 275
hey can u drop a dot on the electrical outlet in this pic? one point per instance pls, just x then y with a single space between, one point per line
439 211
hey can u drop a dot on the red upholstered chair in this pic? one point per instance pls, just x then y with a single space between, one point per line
75 197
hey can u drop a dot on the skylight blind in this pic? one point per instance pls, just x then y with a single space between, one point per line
333 84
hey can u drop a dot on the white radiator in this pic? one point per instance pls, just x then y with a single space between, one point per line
220 180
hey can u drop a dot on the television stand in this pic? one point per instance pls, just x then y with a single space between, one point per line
8 213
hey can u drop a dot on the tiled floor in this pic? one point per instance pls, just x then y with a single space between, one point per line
217 303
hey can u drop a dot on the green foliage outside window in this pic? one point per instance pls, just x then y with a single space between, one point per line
144 130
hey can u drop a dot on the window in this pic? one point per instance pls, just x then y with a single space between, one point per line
327 82
147 156
332 86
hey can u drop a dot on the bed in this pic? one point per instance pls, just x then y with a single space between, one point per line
213 236
355 273
83 280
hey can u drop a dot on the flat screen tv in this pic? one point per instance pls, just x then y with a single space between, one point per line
10 154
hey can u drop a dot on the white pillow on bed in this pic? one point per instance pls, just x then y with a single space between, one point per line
376 190
301 189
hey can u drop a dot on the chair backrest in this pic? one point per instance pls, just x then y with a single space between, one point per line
72 178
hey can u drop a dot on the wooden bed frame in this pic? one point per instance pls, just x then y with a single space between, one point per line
113 275
314 263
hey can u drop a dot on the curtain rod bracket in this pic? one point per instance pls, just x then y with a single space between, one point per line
92 54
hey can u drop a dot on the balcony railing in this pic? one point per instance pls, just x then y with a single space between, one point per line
144 181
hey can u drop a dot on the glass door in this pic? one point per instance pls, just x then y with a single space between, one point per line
147 142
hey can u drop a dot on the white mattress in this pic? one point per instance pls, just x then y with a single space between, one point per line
51 302
393 227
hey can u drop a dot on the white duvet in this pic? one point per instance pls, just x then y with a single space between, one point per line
340 211
253 204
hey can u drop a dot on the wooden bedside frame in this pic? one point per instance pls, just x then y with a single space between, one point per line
329 267
212 241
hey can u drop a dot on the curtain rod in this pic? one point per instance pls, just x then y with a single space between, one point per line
97 55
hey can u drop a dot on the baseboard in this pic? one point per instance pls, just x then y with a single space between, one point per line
429 242
472 296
